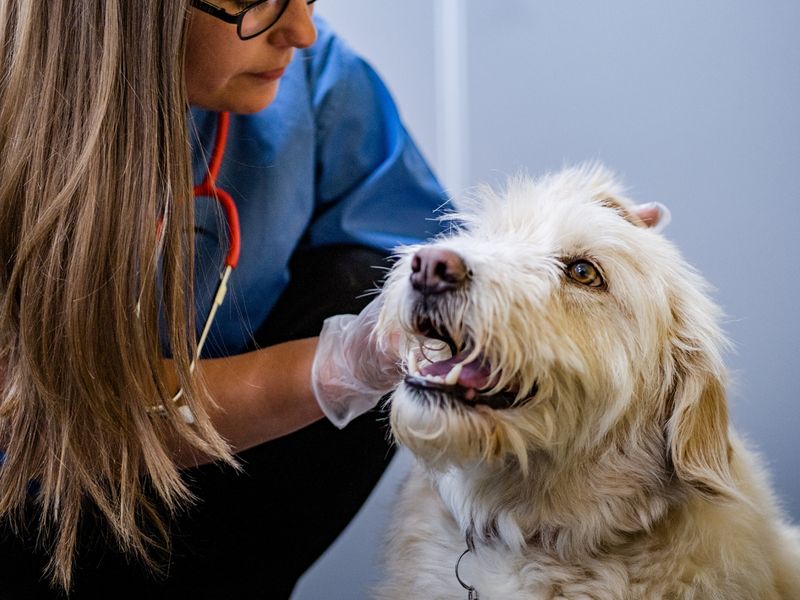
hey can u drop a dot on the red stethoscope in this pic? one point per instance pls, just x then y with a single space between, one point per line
208 189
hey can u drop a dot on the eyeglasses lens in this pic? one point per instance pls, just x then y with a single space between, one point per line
261 17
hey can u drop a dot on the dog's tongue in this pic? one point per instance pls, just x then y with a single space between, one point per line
475 374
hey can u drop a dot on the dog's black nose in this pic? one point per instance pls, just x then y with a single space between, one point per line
436 270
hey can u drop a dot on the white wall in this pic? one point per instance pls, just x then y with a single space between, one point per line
694 103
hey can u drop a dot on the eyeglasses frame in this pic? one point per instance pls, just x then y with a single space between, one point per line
237 18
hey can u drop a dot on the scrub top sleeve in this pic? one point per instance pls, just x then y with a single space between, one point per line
373 187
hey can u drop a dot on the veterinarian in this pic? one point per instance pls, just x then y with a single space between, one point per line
107 427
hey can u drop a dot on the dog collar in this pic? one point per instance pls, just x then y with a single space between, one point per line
472 593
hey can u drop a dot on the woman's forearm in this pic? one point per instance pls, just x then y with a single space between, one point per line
263 394
260 396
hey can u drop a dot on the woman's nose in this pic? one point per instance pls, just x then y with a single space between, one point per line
295 27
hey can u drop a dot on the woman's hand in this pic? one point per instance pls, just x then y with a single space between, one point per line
267 393
353 367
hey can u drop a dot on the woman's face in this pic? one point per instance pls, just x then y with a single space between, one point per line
224 73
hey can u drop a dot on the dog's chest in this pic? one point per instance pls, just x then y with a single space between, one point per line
426 544
422 561
428 571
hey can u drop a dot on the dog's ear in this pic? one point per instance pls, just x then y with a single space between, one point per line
652 215
697 429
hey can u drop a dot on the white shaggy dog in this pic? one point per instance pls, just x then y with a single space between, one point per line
565 401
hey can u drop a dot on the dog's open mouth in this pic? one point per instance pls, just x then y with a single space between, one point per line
465 376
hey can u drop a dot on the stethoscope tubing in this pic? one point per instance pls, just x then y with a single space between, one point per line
208 189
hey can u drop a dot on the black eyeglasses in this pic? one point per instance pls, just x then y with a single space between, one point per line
253 19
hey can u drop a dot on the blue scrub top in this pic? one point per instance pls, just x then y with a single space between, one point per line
328 162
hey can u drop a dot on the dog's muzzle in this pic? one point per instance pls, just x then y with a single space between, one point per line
438 277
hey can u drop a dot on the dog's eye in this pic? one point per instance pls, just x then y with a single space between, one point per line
585 273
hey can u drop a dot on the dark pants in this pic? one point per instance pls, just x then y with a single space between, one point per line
251 534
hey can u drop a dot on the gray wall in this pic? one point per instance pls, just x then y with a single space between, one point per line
694 103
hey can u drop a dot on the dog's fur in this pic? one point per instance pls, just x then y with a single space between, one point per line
615 474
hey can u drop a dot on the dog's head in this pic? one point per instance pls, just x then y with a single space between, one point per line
552 318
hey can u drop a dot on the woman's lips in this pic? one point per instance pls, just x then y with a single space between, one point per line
270 75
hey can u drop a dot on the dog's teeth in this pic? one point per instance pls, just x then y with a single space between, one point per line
413 366
452 376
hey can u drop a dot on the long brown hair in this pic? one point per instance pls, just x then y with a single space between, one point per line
93 156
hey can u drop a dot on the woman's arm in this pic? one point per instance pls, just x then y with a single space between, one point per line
274 391
260 395
263 394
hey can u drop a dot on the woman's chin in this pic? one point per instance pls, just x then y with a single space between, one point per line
254 98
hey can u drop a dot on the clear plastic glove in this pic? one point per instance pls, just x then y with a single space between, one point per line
353 368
